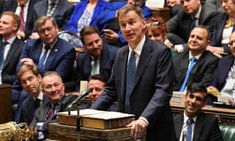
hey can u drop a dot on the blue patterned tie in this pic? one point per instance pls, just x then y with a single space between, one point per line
130 78
189 129
43 58
2 50
193 61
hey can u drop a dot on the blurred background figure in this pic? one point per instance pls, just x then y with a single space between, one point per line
59 9
224 26
85 13
23 8
157 30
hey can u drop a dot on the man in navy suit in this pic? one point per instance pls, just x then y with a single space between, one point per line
60 55
146 93
30 79
203 127
49 53
98 58
10 46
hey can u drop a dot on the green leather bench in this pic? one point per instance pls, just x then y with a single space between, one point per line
228 131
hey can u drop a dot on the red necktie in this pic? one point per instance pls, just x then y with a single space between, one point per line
22 23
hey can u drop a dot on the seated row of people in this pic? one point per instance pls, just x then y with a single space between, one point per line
46 96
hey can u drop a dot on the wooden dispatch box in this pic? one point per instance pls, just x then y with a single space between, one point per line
69 133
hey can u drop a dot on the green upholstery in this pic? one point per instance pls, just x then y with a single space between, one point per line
228 131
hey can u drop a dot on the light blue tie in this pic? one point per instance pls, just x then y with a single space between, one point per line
189 129
43 58
193 61
130 78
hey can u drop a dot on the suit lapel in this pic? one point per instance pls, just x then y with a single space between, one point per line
122 66
198 127
11 52
54 52
178 125
145 56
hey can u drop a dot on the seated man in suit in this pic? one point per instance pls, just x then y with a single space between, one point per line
194 125
23 8
195 64
98 58
191 14
49 53
60 10
224 76
54 101
30 79
10 47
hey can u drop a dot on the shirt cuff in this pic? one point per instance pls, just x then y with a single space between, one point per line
179 48
145 120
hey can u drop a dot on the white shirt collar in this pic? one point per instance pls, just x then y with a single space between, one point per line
197 56
11 40
186 118
198 12
26 5
139 47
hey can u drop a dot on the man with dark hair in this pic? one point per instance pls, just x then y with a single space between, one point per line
96 84
141 80
194 125
98 58
10 46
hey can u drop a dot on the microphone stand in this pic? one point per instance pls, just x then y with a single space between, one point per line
77 101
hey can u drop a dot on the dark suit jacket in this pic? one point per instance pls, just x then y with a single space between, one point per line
180 24
202 72
222 70
11 5
106 62
61 13
10 64
60 59
206 128
218 31
151 92
27 109
41 112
